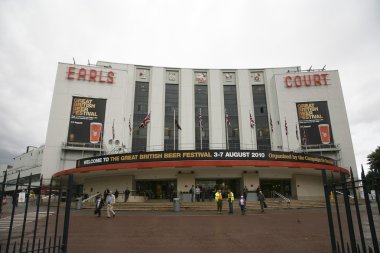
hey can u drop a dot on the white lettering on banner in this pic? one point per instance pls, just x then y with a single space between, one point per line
237 154
92 161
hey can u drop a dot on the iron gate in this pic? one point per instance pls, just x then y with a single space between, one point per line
35 224
349 214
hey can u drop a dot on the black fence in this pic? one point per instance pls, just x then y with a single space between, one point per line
351 216
34 224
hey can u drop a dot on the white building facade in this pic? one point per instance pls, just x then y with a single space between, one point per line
161 129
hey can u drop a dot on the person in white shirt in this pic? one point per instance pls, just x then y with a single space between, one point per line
110 201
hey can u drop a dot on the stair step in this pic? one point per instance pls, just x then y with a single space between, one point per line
165 205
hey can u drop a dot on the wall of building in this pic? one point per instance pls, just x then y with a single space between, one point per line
308 187
59 118
251 181
113 183
332 93
184 182
119 109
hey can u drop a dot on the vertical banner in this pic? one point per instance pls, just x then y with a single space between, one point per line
86 120
314 123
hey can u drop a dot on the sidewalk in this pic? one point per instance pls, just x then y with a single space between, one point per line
274 231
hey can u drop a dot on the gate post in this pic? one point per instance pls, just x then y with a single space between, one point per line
329 213
377 187
370 217
2 193
358 216
69 193
348 213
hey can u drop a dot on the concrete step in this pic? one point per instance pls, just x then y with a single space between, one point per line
166 205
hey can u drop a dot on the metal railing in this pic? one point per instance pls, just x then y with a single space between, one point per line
342 194
351 223
90 198
43 235
281 197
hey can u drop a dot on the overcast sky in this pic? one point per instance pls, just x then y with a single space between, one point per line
36 35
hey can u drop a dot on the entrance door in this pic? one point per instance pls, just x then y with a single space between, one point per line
210 186
157 189
282 186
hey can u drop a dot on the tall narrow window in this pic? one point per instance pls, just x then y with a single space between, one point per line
201 111
261 117
231 117
171 115
140 111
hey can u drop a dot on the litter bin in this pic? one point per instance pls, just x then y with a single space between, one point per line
176 205
79 203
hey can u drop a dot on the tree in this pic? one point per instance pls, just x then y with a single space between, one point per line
374 167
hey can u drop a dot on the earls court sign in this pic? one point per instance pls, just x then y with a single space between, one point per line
306 80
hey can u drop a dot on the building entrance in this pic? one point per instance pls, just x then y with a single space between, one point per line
157 189
210 186
282 186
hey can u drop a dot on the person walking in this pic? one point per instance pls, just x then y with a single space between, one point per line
245 193
219 201
110 203
230 199
242 202
116 194
126 194
98 205
261 198
192 191
198 193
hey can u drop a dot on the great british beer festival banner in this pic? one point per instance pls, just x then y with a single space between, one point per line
210 155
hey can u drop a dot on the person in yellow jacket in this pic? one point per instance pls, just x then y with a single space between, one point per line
230 199
219 201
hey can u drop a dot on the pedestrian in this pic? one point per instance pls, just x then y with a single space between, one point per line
230 199
245 193
105 194
110 202
192 191
15 198
98 205
116 194
198 193
126 194
242 202
219 201
32 197
261 198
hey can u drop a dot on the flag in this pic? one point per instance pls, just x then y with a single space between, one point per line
113 130
297 132
177 125
271 124
251 121
228 122
286 127
130 126
145 121
200 120
304 139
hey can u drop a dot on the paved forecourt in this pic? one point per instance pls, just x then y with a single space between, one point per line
282 231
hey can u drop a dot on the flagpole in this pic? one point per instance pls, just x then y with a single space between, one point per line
174 128
130 126
287 136
200 126
225 122
271 131
250 115
298 137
